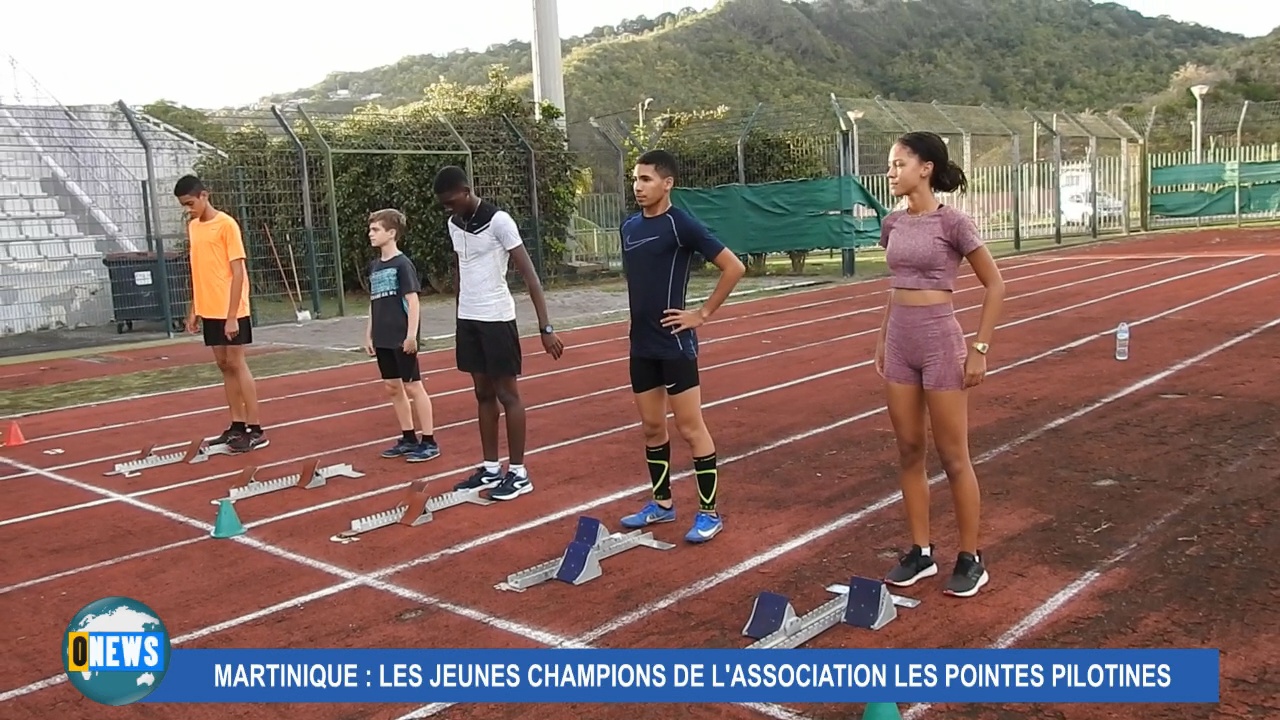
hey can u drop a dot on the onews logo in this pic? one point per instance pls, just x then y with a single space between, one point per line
116 651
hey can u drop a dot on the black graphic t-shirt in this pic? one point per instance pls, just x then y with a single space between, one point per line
389 282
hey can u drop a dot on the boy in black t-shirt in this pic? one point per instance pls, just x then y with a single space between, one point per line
392 336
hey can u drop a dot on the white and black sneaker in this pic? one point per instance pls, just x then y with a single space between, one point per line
511 487
968 577
912 567
481 479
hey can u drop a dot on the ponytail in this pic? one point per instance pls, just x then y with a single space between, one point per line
950 179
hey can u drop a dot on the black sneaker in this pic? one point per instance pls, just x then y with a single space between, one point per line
913 567
258 439
481 479
225 437
251 440
512 487
968 577
400 449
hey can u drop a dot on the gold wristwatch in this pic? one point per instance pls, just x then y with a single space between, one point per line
981 347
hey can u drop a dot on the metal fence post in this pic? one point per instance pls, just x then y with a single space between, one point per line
622 166
1015 155
539 258
742 145
844 151
162 262
308 227
1057 172
333 211
1244 110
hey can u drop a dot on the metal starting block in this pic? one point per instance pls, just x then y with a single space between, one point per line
580 561
863 603
415 508
312 476
197 451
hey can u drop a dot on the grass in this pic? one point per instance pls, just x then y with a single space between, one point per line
111 387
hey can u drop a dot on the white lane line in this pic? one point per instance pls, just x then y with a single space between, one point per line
893 498
386 572
516 628
361 360
558 371
1063 597
1074 344
457 549
649 609
377 441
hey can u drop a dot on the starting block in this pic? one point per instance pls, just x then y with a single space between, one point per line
863 603
311 476
415 508
197 451
580 561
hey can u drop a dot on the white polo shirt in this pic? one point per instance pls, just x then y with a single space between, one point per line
484 243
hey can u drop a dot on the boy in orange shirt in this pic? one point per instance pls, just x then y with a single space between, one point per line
220 301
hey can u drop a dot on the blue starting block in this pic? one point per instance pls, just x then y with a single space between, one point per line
863 603
580 561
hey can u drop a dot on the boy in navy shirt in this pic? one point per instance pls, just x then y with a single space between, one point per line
392 336
658 247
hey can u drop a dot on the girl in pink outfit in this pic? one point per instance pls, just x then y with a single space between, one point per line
922 354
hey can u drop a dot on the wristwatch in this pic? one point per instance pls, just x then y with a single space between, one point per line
981 347
547 330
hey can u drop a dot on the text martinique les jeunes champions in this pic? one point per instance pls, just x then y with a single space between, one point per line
657 675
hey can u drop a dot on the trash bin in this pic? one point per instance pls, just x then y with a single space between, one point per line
136 292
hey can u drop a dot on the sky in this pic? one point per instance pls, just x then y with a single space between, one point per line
232 52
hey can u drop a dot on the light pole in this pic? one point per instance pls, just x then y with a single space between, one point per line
641 107
854 117
1199 92
548 69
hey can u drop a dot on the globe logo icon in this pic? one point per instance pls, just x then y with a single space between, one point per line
116 651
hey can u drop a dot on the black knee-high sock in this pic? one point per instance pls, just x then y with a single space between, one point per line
705 469
659 462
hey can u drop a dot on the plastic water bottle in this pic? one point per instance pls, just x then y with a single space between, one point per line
1122 341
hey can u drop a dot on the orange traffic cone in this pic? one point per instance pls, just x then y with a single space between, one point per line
13 437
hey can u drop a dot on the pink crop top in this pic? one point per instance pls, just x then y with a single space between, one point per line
923 252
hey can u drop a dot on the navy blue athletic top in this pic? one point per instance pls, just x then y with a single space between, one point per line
657 256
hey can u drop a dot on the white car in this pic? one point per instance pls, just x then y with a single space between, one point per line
1077 208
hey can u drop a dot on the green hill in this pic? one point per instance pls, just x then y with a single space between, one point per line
1045 53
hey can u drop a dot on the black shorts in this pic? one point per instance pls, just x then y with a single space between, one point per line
396 364
215 332
489 348
675 375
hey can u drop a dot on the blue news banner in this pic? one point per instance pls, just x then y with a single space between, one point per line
689 676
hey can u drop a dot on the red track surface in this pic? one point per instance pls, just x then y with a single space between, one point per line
62 370
813 509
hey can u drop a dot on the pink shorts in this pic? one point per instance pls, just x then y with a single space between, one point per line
924 346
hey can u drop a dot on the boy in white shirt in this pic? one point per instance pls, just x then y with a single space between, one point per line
487 343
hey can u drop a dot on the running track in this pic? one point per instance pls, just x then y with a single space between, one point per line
807 486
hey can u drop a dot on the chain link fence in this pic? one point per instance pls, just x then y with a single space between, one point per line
1033 175
1226 133
87 206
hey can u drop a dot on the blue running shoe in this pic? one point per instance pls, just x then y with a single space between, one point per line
652 513
400 449
423 452
705 527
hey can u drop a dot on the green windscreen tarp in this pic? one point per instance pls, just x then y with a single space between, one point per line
1254 199
1216 174
823 214
1258 185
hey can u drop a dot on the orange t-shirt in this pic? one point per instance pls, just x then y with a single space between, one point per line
214 245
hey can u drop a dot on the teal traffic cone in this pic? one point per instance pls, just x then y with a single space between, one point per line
881 711
228 523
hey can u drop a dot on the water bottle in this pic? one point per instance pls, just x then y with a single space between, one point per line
1122 341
